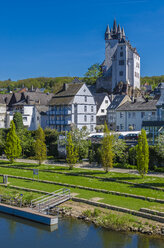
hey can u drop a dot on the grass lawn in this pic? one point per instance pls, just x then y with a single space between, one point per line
121 201
87 182
147 180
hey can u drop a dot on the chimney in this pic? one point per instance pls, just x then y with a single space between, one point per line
65 86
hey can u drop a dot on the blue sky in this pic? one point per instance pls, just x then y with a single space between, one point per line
63 38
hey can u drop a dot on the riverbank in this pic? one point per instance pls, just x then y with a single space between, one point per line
110 219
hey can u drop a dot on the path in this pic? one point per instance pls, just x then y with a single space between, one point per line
86 165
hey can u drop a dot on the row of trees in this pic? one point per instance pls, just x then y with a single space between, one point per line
110 149
14 145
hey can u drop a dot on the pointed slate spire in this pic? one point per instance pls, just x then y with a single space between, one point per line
107 33
123 33
107 29
114 26
119 29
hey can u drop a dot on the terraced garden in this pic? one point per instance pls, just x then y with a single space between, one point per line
77 178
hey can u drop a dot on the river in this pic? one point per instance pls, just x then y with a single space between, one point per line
19 233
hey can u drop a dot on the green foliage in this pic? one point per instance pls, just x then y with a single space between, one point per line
93 73
40 146
17 118
72 154
132 155
51 137
12 147
27 142
82 144
160 146
50 84
119 149
107 154
154 80
142 154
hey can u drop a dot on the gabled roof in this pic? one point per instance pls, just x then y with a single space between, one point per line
138 106
116 102
38 98
66 95
30 98
99 97
5 98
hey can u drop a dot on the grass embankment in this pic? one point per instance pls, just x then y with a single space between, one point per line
121 201
89 182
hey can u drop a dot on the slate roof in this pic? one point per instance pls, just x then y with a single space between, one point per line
31 98
99 97
138 106
66 95
116 102
5 98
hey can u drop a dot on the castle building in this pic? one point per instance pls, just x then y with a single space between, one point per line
122 62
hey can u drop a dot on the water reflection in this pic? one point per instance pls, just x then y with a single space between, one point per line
18 233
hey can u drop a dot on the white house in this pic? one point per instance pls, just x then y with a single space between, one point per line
111 110
73 105
130 115
102 102
33 106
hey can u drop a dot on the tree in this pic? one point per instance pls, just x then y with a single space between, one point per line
72 154
119 149
80 141
40 146
93 73
107 154
142 154
12 148
17 118
160 146
27 142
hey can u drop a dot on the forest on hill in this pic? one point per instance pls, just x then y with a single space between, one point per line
54 84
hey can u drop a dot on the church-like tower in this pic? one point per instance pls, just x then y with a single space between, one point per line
122 62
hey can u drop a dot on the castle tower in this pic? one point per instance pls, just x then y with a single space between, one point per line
122 62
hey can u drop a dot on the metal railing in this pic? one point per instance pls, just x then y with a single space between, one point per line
10 200
53 199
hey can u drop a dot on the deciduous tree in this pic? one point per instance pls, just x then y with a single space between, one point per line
17 118
107 154
72 154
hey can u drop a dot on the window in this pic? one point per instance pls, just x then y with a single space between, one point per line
121 127
37 118
121 62
85 118
121 73
137 75
134 114
137 65
85 108
24 118
121 54
129 115
121 114
92 118
142 114
102 110
91 108
85 98
106 101
121 48
153 113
